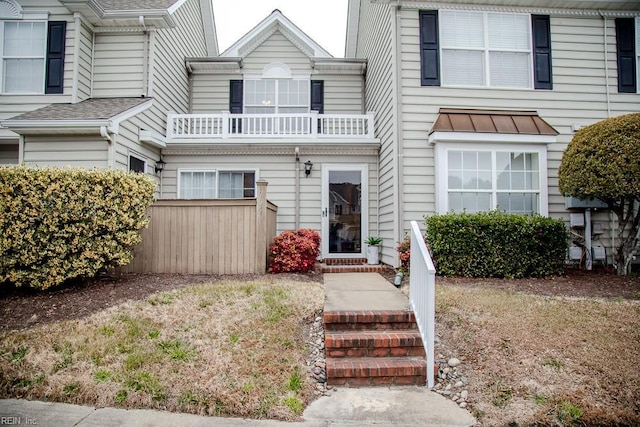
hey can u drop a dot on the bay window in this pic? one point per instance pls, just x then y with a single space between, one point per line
478 178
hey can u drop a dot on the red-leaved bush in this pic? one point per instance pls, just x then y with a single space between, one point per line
404 252
294 251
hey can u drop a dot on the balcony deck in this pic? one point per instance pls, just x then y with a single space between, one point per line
208 128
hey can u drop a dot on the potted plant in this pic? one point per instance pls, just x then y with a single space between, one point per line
373 250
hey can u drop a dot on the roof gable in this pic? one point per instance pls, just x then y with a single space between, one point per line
275 22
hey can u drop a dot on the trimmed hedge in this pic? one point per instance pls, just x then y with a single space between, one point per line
59 224
497 244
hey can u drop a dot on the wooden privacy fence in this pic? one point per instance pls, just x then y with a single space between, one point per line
229 236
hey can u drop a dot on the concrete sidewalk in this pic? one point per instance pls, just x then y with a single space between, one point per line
379 406
398 406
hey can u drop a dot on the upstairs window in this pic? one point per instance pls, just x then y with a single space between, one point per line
23 56
485 49
276 96
31 51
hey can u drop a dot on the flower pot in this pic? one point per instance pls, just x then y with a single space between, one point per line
373 252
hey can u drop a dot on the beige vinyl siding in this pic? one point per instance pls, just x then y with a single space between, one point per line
375 44
210 93
127 144
343 94
579 96
8 154
279 172
118 68
169 81
277 48
85 55
66 151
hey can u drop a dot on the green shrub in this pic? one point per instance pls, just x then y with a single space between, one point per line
58 224
497 244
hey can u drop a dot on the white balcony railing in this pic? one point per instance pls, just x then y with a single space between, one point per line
227 125
422 295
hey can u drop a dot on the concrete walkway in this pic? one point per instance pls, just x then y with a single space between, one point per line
380 406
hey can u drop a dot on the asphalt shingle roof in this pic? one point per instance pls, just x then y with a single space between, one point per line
90 109
136 4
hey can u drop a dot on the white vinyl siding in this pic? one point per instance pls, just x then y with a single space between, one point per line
377 46
276 48
485 49
23 52
118 65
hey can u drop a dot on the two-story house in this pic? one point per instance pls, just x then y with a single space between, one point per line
476 100
277 106
103 84
89 83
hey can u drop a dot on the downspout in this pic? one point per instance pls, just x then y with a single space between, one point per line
20 149
297 190
145 56
77 22
109 137
606 64
397 109
608 97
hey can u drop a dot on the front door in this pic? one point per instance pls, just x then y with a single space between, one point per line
344 210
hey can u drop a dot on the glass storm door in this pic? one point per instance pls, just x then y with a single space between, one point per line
344 210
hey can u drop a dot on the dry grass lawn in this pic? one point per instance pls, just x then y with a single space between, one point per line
539 360
229 348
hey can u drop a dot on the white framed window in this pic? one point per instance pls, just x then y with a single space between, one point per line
23 52
216 184
481 177
486 49
276 96
137 164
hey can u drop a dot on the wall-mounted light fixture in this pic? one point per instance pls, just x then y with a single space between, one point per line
160 165
307 168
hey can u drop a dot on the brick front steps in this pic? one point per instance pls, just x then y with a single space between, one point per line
349 265
371 348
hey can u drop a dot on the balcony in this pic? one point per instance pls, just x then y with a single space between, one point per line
207 128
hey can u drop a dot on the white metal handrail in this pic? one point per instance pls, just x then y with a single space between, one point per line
422 295
227 125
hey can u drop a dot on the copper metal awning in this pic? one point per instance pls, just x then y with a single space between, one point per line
492 121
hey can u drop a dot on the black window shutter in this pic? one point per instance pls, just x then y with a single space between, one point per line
317 96
235 97
542 72
429 50
626 51
54 80
235 104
